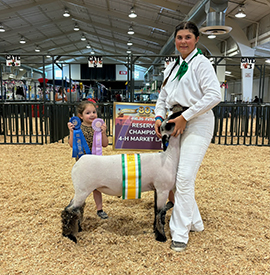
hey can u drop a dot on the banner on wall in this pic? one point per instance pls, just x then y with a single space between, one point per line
121 73
95 61
247 69
168 60
134 127
13 60
247 63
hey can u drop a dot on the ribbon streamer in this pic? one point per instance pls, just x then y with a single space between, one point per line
79 145
97 140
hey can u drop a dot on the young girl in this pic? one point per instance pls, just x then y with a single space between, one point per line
87 113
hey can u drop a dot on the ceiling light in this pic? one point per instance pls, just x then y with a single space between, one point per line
132 13
211 36
88 46
92 52
129 43
240 13
128 51
130 30
66 13
267 60
83 38
22 41
48 56
37 49
21 69
2 29
76 27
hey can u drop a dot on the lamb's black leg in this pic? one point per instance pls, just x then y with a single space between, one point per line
160 222
81 218
79 227
155 209
70 219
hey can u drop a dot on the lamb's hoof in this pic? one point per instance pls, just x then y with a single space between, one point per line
160 237
71 237
169 205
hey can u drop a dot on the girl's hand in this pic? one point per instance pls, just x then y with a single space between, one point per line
103 128
180 125
70 126
105 140
157 128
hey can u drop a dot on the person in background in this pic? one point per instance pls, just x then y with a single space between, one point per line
190 86
118 97
87 112
60 95
256 99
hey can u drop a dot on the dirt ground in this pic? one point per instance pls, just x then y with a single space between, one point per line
232 192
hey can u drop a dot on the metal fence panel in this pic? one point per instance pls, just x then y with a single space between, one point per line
242 124
41 123
20 123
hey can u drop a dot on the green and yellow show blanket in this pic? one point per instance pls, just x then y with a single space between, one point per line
131 171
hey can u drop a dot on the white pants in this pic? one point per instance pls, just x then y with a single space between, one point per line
193 145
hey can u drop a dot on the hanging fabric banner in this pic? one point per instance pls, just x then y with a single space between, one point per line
168 60
247 69
13 60
95 61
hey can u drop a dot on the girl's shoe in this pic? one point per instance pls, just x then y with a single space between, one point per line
178 246
102 214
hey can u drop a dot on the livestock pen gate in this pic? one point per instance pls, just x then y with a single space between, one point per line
42 122
39 122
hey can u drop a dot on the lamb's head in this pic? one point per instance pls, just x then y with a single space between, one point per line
166 130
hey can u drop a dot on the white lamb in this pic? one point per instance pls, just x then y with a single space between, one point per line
104 173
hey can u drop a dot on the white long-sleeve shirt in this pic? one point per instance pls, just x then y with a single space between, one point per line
198 89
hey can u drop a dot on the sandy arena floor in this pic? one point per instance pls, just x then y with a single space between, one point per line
232 192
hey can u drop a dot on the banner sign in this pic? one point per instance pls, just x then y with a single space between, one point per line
247 63
134 127
95 61
123 72
13 60
169 60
